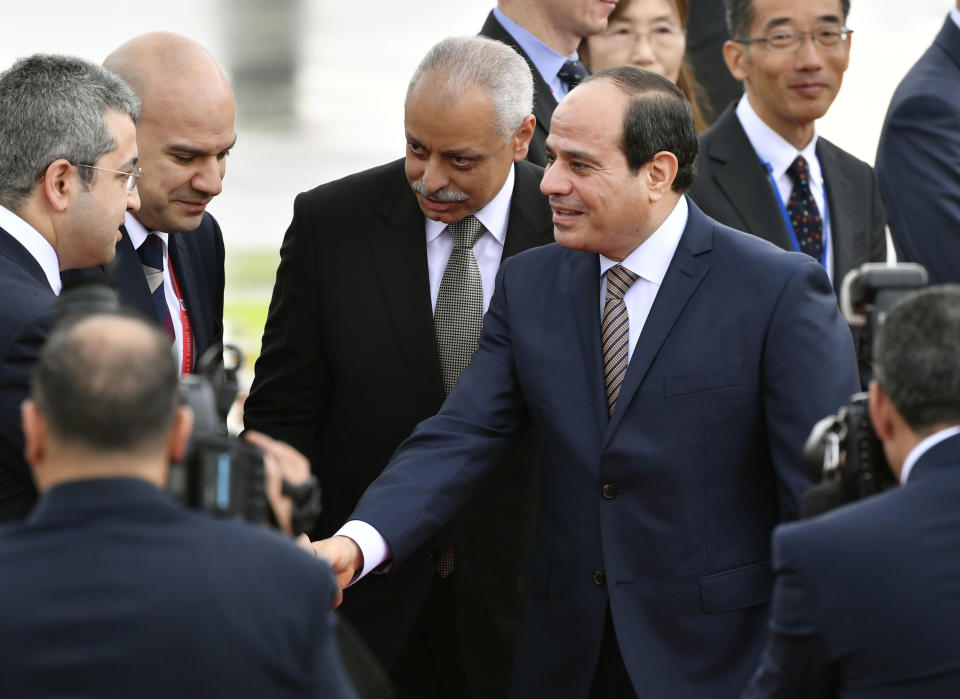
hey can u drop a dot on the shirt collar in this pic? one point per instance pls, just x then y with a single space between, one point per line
39 247
652 257
547 61
494 215
138 232
772 148
923 447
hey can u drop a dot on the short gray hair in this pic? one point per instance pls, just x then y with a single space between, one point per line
472 61
54 107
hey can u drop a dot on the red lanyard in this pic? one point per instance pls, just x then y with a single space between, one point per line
187 367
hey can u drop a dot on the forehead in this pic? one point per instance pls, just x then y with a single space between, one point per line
463 120
647 10
204 120
590 118
768 13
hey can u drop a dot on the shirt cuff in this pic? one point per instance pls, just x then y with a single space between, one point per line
373 546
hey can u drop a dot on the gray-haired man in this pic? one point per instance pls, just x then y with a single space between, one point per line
376 309
68 173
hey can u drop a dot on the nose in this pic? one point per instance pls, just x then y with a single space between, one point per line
133 200
554 181
642 53
434 175
808 55
209 176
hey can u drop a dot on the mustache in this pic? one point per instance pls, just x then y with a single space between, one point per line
445 195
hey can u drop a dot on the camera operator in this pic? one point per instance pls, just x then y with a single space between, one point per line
867 596
109 588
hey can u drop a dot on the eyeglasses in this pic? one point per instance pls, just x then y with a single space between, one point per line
789 39
626 36
132 177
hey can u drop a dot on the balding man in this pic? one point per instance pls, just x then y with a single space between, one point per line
384 277
184 135
68 171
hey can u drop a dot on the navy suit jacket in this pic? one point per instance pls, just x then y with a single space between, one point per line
918 160
111 589
346 383
197 260
732 186
867 597
743 350
25 317
543 100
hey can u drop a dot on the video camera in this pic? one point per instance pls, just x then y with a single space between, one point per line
843 456
220 474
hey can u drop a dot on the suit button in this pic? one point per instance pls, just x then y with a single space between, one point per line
609 491
434 553
599 578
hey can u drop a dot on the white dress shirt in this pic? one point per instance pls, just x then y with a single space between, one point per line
922 448
774 150
39 247
138 233
650 261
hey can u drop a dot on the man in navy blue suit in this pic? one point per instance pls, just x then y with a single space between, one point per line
110 588
169 261
918 158
867 597
68 157
671 368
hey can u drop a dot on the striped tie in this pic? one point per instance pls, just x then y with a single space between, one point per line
615 332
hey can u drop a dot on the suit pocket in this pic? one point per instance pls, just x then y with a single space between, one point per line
737 588
537 580
703 381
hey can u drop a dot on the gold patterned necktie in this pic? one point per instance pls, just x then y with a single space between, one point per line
615 332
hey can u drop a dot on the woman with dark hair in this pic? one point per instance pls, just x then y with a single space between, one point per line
648 34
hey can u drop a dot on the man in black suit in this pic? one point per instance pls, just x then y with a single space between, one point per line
68 157
866 598
110 588
791 57
170 260
546 33
357 350
918 158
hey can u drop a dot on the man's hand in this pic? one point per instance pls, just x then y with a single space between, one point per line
282 463
343 555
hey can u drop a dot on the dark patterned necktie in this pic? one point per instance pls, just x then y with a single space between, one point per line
804 214
151 259
572 73
458 317
615 332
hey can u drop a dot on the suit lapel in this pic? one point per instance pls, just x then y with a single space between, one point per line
126 276
11 248
399 250
686 271
187 280
530 222
582 295
846 228
741 177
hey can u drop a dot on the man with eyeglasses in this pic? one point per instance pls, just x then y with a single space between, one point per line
546 33
68 172
762 167
170 258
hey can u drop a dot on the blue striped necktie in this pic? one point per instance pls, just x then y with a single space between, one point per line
615 332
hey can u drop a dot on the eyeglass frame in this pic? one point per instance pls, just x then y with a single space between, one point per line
843 31
132 177
675 33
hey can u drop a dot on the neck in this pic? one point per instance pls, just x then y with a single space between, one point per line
797 133
36 215
532 17
65 464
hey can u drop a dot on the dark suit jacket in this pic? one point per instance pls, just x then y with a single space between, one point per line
543 100
732 187
197 259
743 350
111 589
918 160
349 367
866 599
25 317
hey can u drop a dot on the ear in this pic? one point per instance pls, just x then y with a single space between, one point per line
59 184
180 433
661 171
34 432
521 138
735 56
880 412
